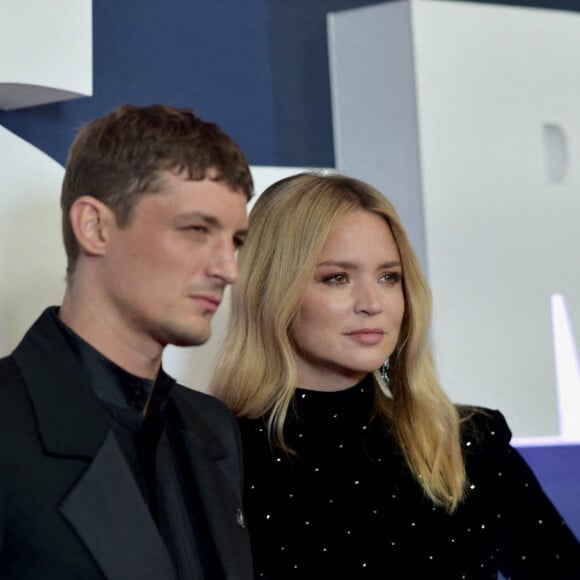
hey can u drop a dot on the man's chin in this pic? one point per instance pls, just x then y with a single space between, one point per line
187 336
190 341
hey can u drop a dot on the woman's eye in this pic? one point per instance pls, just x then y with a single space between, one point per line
336 279
391 277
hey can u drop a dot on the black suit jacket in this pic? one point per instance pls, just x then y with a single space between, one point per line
69 504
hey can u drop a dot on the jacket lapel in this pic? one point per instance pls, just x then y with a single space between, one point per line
105 505
107 511
207 458
71 421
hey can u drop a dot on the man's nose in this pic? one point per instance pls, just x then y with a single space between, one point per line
222 262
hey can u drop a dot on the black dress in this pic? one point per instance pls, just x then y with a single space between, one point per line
347 507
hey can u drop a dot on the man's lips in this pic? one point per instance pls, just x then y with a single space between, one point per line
208 301
367 335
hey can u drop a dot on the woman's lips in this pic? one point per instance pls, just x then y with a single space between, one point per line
367 335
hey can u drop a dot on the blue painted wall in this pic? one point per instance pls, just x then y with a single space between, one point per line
558 469
257 67
213 56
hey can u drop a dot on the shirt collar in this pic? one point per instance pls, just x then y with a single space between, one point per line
112 384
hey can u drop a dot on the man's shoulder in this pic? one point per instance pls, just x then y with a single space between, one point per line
203 412
199 399
7 364
16 413
9 374
213 427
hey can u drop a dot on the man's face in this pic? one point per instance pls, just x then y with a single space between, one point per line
165 272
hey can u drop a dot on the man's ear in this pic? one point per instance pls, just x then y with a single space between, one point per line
91 220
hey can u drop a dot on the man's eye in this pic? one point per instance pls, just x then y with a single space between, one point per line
197 228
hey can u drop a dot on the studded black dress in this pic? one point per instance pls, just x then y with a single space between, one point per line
346 507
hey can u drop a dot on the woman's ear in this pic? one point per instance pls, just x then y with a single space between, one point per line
90 221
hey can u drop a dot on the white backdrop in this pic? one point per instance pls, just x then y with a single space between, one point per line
477 141
468 117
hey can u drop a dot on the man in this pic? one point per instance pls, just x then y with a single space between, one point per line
107 468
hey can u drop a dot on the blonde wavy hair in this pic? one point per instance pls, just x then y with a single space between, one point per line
257 375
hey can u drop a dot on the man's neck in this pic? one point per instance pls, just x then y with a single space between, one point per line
140 356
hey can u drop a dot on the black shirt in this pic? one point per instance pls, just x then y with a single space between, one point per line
153 450
124 396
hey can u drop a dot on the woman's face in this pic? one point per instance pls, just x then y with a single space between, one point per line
349 320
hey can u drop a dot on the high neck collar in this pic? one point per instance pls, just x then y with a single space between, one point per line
346 407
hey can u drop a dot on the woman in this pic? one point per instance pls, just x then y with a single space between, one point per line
357 464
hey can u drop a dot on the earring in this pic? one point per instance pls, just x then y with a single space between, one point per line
385 372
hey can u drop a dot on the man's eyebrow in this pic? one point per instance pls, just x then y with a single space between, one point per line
183 218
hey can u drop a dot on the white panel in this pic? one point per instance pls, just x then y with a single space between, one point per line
32 261
374 109
497 111
45 51
502 215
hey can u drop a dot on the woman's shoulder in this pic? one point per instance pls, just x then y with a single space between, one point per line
254 432
483 429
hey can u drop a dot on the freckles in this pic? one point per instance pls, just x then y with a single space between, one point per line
331 305
396 311
325 311
395 306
